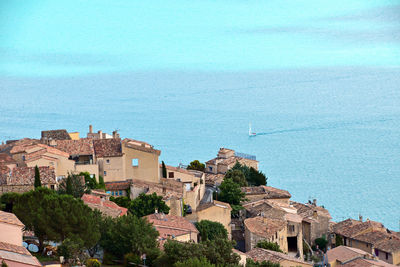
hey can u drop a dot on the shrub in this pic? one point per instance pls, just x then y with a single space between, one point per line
93 263
194 262
269 245
131 258
321 243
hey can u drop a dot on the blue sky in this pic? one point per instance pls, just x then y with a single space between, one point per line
69 38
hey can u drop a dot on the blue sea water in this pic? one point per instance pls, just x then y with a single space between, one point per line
320 83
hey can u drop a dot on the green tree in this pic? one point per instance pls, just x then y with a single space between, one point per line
194 262
121 201
321 243
101 184
73 185
339 241
269 245
7 201
196 165
38 183
253 177
164 170
211 230
147 204
57 217
230 192
237 176
3 264
218 252
129 234
90 182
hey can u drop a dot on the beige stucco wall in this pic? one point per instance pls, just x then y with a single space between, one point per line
115 169
62 165
360 245
217 214
392 259
148 169
252 239
10 233
74 135
90 168
175 206
396 258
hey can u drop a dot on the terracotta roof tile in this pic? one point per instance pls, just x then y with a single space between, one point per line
307 210
12 253
260 255
268 192
118 185
107 147
390 244
6 159
160 220
56 135
351 228
10 218
264 227
26 176
213 204
140 145
83 146
107 207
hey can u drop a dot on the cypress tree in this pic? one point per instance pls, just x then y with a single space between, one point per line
37 177
164 170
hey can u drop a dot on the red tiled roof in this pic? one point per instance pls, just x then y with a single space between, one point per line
350 257
26 176
264 227
260 255
140 145
98 201
119 185
12 253
390 244
160 220
268 191
215 203
83 146
107 147
351 228
61 134
10 218
307 210
6 159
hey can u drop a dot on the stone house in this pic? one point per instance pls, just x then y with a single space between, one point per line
193 184
21 179
315 220
254 193
215 211
173 227
110 158
260 228
347 256
285 213
11 250
227 158
106 207
284 260
371 237
8 161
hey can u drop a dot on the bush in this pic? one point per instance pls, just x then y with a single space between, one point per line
251 263
339 240
3 264
269 246
131 258
211 230
93 263
108 258
194 262
321 243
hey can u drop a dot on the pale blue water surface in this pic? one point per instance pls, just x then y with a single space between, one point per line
320 83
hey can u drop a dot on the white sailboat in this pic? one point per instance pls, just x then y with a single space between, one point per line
251 133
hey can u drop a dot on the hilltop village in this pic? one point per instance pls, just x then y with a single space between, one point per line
182 209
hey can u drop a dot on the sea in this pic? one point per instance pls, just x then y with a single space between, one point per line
319 81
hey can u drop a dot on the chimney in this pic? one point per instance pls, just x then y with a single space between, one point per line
314 202
156 211
115 134
100 132
360 218
90 129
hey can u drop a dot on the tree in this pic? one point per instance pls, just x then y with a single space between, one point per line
218 252
90 182
147 204
211 230
237 176
121 201
196 165
321 243
128 234
194 262
164 170
73 185
57 217
253 177
101 184
7 201
339 241
231 193
38 183
269 245
3 264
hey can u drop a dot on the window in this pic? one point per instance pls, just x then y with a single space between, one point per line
23 157
210 168
387 255
107 161
120 192
170 175
187 186
105 173
112 193
376 252
52 188
135 162
291 228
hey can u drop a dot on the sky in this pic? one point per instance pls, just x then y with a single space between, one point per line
74 38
